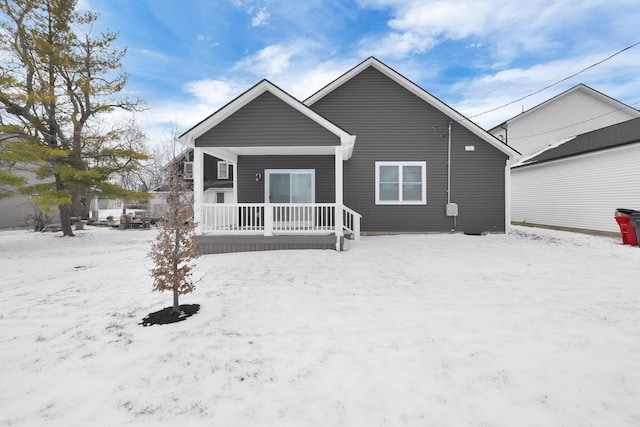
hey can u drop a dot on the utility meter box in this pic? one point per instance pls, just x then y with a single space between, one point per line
452 209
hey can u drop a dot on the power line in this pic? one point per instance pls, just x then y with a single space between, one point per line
559 81
574 124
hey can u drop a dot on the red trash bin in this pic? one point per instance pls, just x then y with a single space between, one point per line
627 230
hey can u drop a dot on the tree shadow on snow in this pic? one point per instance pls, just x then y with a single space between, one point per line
165 315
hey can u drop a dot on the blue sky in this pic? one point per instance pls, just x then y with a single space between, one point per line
187 58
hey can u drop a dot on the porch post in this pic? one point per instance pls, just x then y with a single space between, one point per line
235 181
339 197
198 188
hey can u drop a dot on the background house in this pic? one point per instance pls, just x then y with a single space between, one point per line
579 182
217 184
371 144
17 210
576 111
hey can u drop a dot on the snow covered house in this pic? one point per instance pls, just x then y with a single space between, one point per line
371 152
579 182
576 111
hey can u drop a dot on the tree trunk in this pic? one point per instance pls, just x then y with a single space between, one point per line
176 306
65 220
65 211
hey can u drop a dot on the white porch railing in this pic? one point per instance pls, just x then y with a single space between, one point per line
351 222
276 218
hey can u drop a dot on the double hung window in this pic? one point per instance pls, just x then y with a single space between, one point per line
401 183
223 169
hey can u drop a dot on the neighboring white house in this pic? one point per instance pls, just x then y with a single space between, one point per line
576 111
581 181
16 209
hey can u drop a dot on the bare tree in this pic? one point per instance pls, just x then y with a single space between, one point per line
175 247
155 171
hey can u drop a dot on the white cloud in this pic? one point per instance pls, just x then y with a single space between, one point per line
506 28
417 25
268 62
214 93
278 59
297 67
314 77
616 78
261 18
397 45
150 55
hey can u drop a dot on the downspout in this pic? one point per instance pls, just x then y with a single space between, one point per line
449 174
449 167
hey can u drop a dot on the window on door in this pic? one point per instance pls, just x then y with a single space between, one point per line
290 185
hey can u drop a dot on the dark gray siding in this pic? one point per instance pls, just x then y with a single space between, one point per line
211 174
392 124
267 121
251 191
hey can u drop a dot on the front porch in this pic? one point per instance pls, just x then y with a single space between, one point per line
240 227
287 166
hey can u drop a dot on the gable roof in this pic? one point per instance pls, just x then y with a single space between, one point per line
601 139
420 93
616 105
188 138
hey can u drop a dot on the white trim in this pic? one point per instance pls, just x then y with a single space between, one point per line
267 179
235 182
283 150
420 93
223 166
198 188
339 198
400 165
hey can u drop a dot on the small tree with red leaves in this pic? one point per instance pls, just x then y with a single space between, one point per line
175 247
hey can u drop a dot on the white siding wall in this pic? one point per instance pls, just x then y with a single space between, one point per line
580 192
575 113
16 210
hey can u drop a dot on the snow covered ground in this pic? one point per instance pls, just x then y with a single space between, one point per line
533 328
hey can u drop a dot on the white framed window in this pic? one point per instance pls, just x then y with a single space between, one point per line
401 183
223 169
188 169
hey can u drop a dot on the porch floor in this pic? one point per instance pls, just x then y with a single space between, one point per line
221 244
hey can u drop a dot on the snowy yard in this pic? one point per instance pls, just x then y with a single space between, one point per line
534 328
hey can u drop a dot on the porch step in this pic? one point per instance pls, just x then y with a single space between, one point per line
349 235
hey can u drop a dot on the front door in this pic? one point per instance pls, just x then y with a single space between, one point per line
290 186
